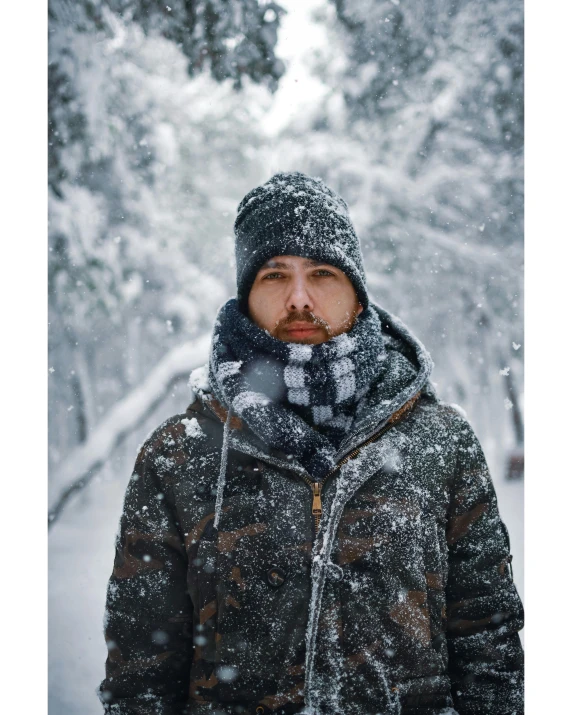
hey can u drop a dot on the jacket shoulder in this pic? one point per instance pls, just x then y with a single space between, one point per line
180 437
458 423
446 424
446 415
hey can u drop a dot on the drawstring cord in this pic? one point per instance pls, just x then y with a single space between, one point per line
222 471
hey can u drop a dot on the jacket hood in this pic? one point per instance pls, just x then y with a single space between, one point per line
406 371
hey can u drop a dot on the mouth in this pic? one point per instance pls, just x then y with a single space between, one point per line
302 330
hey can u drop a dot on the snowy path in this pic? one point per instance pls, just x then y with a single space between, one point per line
80 561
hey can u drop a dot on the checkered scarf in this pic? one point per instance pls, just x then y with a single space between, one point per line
301 399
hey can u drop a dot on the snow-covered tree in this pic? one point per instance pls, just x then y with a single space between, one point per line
149 155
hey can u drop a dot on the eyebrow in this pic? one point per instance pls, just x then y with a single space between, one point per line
282 265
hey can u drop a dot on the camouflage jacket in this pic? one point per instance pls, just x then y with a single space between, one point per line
401 602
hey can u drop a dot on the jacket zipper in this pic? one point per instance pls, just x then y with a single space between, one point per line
317 487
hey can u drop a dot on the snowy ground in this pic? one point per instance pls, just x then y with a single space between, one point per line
80 561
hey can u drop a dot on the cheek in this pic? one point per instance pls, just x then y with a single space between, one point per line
264 307
336 304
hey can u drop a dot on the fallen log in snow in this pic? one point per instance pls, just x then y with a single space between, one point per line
84 462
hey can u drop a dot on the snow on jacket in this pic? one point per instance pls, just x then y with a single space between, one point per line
402 602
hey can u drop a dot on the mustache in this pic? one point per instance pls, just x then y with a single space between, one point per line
303 316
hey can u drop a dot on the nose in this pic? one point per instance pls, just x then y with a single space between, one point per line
299 298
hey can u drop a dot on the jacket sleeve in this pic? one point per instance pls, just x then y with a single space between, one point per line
484 612
148 611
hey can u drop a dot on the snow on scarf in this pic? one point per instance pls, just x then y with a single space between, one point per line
301 399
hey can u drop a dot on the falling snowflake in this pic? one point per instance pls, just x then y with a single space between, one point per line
227 673
507 404
504 372
515 346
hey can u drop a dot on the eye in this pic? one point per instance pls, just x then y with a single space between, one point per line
323 272
272 276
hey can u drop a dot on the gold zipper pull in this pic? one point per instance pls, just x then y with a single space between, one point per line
317 504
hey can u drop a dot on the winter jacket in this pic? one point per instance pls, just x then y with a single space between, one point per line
400 601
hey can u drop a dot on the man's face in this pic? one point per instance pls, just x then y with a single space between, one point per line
300 300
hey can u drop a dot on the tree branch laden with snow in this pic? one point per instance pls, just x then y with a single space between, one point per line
86 460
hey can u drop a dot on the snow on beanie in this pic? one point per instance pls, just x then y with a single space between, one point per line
293 214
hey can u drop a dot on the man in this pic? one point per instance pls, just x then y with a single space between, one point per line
318 533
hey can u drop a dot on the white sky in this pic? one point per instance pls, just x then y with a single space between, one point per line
297 36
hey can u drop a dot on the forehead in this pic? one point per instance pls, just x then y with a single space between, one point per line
292 262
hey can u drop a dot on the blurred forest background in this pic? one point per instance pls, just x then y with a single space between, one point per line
161 117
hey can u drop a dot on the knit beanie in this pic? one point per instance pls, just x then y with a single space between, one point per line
295 215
